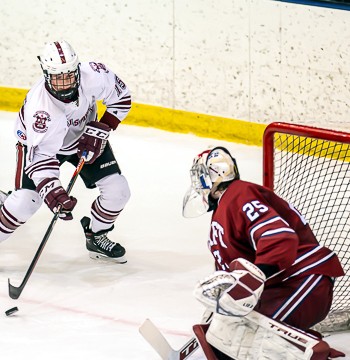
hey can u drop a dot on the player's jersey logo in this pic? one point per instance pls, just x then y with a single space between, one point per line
21 135
40 124
98 67
77 122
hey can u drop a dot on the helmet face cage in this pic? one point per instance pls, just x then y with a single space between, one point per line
210 169
63 86
195 202
60 66
200 178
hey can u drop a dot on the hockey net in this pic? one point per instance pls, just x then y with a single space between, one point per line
310 168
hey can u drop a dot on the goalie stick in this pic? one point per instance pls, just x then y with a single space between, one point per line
157 340
15 291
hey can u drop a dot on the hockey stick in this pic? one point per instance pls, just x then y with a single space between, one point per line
14 291
156 339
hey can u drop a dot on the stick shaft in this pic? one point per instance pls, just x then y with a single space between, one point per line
14 291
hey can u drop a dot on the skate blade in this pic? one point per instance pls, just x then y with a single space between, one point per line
97 256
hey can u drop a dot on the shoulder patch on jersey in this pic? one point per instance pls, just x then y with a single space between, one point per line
98 67
21 134
40 124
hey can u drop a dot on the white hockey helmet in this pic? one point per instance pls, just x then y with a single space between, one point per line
59 61
222 167
210 169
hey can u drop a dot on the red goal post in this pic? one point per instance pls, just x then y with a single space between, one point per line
310 168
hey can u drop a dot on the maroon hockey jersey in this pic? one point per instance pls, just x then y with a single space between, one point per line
252 222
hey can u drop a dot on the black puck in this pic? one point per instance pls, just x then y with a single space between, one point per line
11 311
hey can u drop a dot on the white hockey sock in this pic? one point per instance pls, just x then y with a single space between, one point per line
114 194
18 207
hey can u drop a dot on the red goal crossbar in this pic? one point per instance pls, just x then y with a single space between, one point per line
292 129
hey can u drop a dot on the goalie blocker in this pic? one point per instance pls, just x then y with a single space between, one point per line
256 336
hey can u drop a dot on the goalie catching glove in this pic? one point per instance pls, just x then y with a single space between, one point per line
93 141
56 198
234 293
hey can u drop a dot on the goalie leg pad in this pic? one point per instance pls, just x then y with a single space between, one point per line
200 331
243 339
209 352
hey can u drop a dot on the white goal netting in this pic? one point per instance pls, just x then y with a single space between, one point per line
310 168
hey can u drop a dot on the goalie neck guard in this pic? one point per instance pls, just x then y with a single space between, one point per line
210 169
60 65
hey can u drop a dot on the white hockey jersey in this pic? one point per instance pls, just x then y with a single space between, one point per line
49 127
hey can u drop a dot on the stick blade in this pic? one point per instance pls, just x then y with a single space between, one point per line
14 292
156 339
160 344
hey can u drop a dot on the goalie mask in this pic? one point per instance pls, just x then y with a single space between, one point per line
210 169
60 65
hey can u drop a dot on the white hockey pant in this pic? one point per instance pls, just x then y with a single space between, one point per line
18 207
114 195
242 339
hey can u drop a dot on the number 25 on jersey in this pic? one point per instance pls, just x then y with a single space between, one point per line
253 209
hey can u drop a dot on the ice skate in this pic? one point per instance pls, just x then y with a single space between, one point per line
100 247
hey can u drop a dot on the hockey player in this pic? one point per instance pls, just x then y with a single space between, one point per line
267 259
58 123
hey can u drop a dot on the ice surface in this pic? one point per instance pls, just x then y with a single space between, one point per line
77 308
